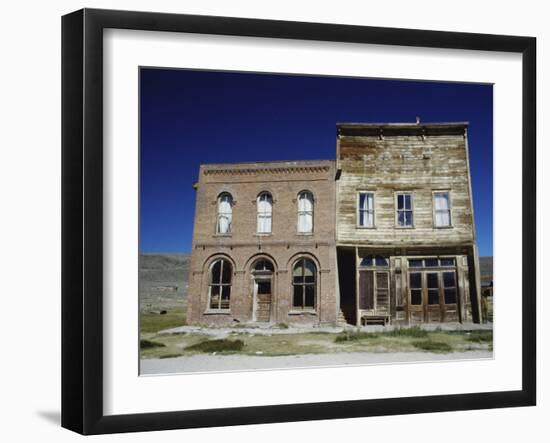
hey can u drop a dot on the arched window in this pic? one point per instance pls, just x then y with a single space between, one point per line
305 212
263 265
220 284
265 210
225 213
374 260
304 284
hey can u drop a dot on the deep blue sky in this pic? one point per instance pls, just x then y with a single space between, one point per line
193 117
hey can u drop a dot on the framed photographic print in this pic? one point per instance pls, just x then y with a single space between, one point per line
269 221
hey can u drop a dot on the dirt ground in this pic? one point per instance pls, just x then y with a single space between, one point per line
226 363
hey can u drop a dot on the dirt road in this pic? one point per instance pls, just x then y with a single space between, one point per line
225 363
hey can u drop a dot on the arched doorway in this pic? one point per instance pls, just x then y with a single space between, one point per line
262 280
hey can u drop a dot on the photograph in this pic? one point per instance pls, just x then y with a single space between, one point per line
299 221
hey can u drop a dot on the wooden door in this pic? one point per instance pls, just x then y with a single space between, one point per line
432 297
262 299
416 297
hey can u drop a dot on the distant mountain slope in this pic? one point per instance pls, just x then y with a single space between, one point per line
486 268
163 278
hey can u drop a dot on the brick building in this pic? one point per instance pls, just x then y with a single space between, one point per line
383 234
264 244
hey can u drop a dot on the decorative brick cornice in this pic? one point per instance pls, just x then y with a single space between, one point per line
267 170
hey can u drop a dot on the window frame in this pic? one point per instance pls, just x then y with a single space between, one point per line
298 213
229 232
220 284
303 309
259 215
435 211
412 211
359 210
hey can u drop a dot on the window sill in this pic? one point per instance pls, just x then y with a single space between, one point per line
304 311
404 227
222 235
444 227
217 311
364 227
305 234
263 234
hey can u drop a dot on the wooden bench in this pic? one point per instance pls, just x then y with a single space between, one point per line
375 319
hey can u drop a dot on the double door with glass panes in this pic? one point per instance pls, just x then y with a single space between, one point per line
433 296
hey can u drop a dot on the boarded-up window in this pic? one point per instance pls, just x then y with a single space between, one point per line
398 292
366 290
374 291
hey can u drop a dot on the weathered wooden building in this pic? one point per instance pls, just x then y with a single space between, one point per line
405 228
384 234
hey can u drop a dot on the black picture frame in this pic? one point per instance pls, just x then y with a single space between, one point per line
82 218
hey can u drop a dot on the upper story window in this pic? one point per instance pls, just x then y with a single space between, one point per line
404 210
305 212
265 212
225 214
442 209
365 210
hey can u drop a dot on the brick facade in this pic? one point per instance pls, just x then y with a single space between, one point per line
283 247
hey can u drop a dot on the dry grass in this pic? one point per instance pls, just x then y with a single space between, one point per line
246 343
